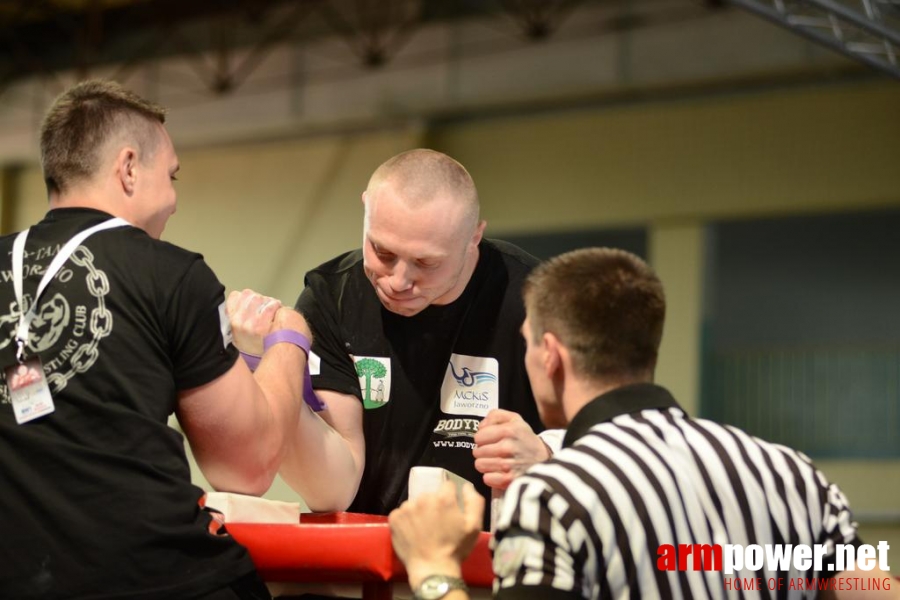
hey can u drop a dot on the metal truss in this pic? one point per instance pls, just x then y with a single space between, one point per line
374 30
538 18
865 30
224 41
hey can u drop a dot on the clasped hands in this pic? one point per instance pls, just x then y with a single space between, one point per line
253 316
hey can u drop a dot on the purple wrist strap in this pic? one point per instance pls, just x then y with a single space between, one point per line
301 341
252 360
286 335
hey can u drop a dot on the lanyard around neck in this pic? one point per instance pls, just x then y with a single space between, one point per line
61 257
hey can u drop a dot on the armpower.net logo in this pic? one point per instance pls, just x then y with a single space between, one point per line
850 563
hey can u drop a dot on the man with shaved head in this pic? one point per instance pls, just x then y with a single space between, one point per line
424 204
419 358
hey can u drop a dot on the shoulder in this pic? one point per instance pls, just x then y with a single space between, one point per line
165 257
734 438
166 251
510 254
504 266
338 268
141 261
331 281
340 264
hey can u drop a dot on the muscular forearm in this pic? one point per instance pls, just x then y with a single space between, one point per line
281 402
320 465
238 426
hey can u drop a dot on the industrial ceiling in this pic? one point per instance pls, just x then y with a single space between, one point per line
44 37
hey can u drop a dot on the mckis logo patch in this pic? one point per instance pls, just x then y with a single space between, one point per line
374 374
470 385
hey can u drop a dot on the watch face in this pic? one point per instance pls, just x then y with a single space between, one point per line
432 589
437 586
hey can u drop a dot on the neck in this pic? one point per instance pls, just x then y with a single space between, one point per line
580 391
82 198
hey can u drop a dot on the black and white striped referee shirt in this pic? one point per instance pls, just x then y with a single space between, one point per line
636 472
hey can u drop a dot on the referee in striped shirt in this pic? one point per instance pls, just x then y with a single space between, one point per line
638 482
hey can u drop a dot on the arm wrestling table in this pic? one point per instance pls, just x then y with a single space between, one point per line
346 548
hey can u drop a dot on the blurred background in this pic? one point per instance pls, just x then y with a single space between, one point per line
750 150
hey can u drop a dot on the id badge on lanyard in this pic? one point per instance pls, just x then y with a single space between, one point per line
28 387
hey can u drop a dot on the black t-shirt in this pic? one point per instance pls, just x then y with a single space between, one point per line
425 381
96 499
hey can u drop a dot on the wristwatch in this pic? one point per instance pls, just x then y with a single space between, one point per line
435 587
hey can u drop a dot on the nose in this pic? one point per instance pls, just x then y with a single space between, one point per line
401 278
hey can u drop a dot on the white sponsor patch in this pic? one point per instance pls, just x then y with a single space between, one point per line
471 385
315 363
225 326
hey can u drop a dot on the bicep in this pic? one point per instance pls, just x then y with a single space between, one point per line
214 417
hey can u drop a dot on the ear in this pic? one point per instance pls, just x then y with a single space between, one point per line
364 196
126 169
479 233
553 354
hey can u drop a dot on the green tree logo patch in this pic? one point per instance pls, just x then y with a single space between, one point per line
374 374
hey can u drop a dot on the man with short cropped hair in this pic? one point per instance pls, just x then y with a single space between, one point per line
421 363
636 478
123 330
